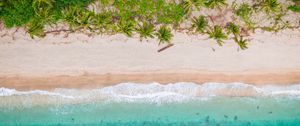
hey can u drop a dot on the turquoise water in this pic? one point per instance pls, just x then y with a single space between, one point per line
265 110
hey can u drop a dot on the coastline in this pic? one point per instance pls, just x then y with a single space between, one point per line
79 61
187 62
91 81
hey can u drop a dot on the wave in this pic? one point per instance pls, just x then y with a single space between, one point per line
155 92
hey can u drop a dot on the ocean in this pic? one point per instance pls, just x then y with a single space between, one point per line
132 104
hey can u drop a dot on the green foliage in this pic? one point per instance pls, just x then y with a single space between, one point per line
122 16
199 24
85 20
147 9
146 30
126 27
1 8
105 2
294 8
212 4
16 12
70 15
244 11
40 5
242 43
103 21
170 14
233 29
164 35
269 6
20 12
60 4
36 28
217 34
190 5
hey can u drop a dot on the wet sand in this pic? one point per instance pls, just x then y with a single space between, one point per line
88 81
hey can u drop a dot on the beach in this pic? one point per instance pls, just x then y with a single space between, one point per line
80 61
150 62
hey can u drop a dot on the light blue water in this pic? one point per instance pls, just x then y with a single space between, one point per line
265 110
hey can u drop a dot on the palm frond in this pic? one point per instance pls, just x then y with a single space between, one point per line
199 24
242 43
146 30
70 15
102 21
217 34
270 6
164 35
212 4
40 5
35 28
294 8
244 11
86 19
232 28
190 5
126 27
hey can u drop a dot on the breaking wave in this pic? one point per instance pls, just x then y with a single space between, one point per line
157 93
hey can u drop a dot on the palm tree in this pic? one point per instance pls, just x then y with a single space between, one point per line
146 30
244 11
102 21
199 24
70 15
126 27
212 4
217 34
294 8
36 28
85 19
2 5
269 6
164 35
189 5
242 43
233 29
40 5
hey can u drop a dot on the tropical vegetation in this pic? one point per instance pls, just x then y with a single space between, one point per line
151 18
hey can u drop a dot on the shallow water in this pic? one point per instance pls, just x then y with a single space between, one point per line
181 104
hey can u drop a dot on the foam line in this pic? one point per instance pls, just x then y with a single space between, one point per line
155 92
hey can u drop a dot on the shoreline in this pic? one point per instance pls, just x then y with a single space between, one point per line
90 81
80 61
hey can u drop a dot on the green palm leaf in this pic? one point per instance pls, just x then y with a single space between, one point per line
164 35
126 27
217 34
270 6
199 24
103 21
242 43
233 29
212 4
146 30
190 5
70 15
40 5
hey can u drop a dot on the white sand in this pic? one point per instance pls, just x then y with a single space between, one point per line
78 54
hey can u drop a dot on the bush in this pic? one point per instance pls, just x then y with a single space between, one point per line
16 12
294 8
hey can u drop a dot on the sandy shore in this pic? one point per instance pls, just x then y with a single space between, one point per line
97 81
80 61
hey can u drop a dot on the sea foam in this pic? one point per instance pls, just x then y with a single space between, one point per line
158 93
